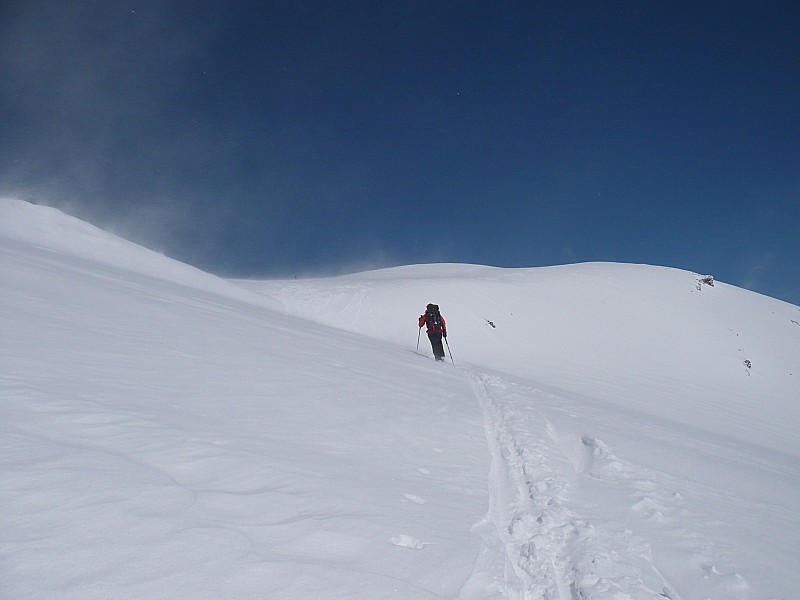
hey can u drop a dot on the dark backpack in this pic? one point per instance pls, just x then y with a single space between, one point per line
432 317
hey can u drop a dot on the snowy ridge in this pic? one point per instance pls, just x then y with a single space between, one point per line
166 433
50 233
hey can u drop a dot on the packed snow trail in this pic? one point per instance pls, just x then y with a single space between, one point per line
548 551
571 519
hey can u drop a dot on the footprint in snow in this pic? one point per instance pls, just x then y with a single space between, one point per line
652 509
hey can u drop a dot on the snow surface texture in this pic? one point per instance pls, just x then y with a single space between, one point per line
607 431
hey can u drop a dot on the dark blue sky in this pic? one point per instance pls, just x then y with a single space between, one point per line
287 138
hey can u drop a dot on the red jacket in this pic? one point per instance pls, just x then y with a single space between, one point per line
434 329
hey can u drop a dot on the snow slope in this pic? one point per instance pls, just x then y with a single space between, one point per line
640 337
163 437
165 433
625 386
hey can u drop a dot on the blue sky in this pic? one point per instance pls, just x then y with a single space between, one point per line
269 139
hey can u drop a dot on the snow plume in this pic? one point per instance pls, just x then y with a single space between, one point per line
92 90
166 433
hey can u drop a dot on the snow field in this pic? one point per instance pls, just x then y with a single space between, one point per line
648 358
165 433
163 441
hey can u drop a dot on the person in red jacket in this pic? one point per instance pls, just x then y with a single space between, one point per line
436 329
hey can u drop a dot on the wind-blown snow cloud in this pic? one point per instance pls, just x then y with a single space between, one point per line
266 139
124 117
95 91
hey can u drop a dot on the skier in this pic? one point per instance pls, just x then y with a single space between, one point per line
436 329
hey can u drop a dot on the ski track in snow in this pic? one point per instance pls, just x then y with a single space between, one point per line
535 545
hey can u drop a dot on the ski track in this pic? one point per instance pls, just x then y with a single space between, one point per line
534 545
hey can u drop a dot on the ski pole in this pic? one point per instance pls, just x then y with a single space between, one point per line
448 350
418 334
